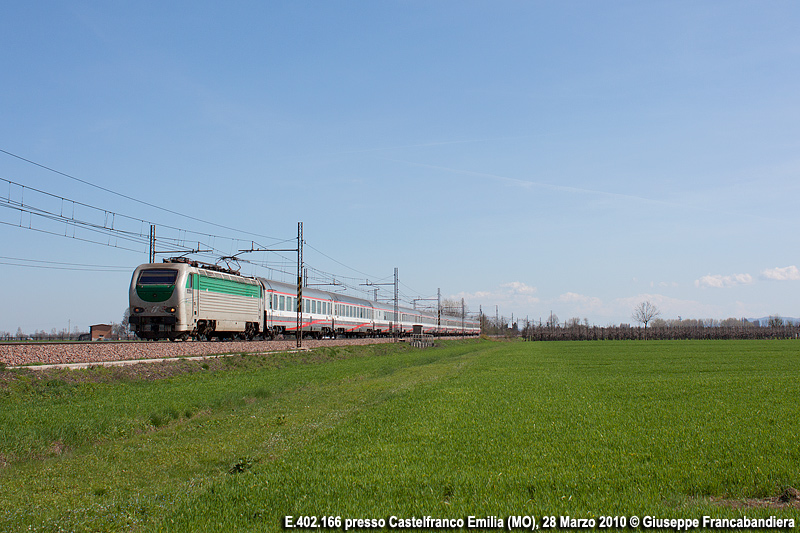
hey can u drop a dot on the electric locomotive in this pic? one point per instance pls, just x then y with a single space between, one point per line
178 299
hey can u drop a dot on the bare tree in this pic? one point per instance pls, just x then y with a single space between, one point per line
775 321
453 307
574 322
644 313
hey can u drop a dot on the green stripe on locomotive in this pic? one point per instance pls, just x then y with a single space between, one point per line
225 286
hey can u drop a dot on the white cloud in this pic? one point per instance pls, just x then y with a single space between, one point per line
719 281
517 287
790 273
514 296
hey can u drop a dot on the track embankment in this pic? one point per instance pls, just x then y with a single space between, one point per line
99 352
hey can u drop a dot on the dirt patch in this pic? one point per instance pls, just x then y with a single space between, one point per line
789 498
57 448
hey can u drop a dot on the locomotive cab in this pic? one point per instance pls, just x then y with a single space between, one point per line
157 301
179 299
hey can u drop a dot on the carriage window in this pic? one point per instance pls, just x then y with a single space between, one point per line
282 305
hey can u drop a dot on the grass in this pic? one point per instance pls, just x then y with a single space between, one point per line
475 428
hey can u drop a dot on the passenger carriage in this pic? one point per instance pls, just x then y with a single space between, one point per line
281 310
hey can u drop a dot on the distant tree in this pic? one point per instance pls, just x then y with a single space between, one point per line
659 323
731 322
644 313
126 321
775 321
453 307
20 334
552 320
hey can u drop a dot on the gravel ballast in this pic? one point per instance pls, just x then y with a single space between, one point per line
98 352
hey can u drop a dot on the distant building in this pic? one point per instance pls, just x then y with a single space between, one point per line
100 331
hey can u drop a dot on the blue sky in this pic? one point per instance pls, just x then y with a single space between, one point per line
574 157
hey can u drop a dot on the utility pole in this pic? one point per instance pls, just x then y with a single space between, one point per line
462 317
438 311
396 302
299 284
393 326
152 243
299 250
153 250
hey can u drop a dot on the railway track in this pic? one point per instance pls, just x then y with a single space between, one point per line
66 353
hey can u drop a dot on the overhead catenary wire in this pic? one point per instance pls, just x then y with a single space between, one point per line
111 229
131 198
55 267
107 222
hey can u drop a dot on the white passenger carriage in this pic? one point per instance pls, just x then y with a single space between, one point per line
281 310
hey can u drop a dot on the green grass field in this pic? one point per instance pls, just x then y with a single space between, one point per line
675 429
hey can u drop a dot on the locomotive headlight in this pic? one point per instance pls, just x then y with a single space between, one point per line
138 309
170 309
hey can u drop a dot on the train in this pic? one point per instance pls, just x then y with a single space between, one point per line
180 299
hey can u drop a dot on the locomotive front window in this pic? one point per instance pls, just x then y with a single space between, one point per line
157 277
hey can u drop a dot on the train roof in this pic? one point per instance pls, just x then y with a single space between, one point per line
291 288
342 298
